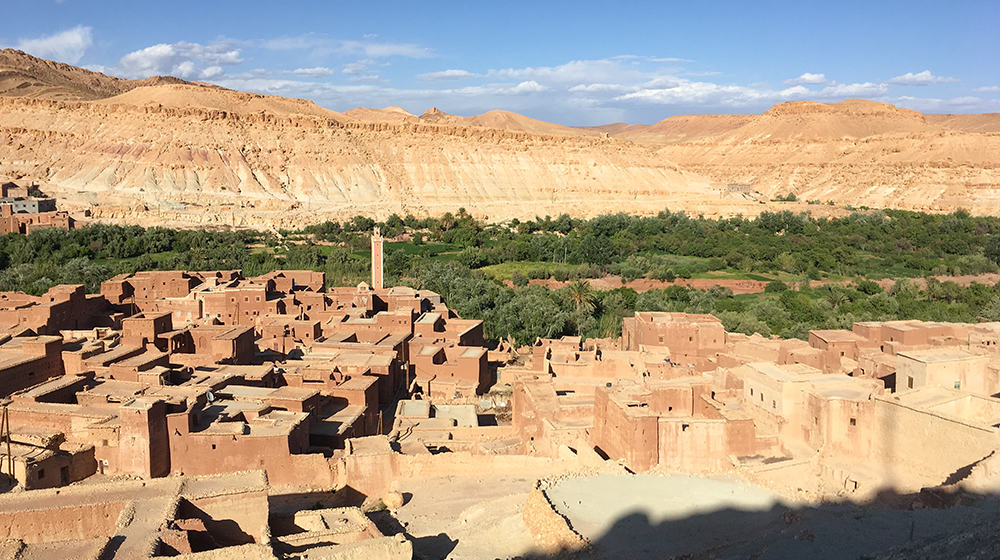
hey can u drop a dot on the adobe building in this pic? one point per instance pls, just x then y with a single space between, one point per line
63 307
946 367
674 423
28 361
21 213
450 371
691 338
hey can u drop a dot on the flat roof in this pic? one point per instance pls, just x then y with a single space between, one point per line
842 387
837 335
473 352
141 359
678 317
785 372
414 408
938 355
357 382
293 393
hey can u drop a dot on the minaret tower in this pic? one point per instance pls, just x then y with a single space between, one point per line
377 282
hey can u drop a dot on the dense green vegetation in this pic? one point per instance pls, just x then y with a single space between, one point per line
467 261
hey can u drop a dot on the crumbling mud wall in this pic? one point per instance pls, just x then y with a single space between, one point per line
61 524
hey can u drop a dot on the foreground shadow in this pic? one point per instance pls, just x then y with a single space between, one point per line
924 525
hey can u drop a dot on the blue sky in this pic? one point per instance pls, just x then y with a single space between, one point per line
578 63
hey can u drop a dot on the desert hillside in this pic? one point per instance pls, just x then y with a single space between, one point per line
23 75
167 151
853 152
184 153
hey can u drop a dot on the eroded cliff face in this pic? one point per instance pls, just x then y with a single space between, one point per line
856 153
185 165
165 151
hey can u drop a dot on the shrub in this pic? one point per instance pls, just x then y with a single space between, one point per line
775 286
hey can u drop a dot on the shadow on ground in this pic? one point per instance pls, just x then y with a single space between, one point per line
929 524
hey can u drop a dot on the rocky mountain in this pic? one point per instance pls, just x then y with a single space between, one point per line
167 151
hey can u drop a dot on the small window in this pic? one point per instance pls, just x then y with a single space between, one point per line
751 391
958 384
909 382
213 446
684 427
774 405
670 409
854 421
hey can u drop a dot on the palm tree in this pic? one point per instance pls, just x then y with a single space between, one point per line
581 295
837 298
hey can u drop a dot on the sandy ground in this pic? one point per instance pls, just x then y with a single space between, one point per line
650 516
599 504
466 517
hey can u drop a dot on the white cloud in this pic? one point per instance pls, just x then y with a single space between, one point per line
865 89
530 86
807 78
577 71
179 59
796 91
314 71
597 88
920 79
687 92
66 46
961 104
321 46
366 78
382 50
184 69
670 59
451 74
211 72
987 89
357 68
